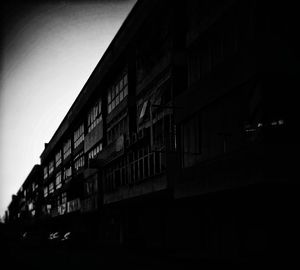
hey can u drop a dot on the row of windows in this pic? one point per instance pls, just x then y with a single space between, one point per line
79 162
134 167
58 181
114 132
79 136
50 189
66 151
117 93
58 159
61 205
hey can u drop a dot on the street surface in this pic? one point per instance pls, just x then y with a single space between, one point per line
19 254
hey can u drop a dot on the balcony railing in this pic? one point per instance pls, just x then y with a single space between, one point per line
89 204
135 167
73 205
54 212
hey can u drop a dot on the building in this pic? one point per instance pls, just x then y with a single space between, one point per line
25 208
182 136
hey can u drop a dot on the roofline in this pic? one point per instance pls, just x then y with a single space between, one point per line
33 171
86 92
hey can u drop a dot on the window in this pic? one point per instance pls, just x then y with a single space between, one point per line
117 92
116 129
51 188
58 200
45 172
94 116
79 136
93 153
90 187
67 172
45 192
49 206
79 161
67 148
34 186
51 167
30 206
64 198
144 107
136 166
58 180
58 159
191 141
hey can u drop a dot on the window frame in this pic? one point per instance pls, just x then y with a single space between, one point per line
58 158
51 187
117 92
67 149
79 161
92 154
58 184
94 115
78 135
51 167
67 173
45 172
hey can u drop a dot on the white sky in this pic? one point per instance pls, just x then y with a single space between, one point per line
47 58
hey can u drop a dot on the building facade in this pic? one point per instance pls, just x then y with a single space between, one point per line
25 209
182 135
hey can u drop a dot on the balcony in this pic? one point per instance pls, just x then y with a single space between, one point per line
138 173
93 137
54 212
154 184
62 209
251 164
89 204
73 206
110 152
